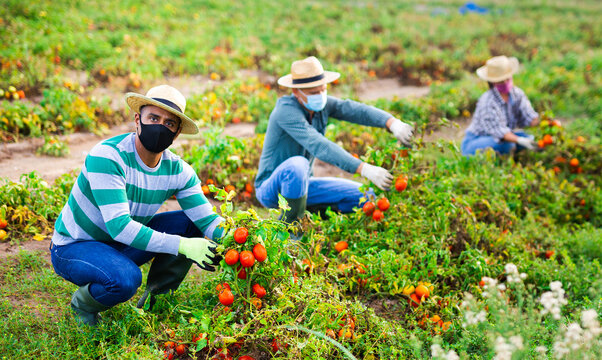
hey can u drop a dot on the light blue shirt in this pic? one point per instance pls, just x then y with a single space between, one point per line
291 133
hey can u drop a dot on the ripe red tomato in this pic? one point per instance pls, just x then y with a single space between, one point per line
240 235
246 357
260 253
221 287
169 344
226 297
401 183
231 257
378 215
3 223
181 349
383 204
247 259
259 290
368 208
549 254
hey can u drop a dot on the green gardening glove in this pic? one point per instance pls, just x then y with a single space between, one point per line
201 251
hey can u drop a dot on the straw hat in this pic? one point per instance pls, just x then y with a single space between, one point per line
498 68
307 73
167 98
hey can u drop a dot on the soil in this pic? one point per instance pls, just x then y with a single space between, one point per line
388 89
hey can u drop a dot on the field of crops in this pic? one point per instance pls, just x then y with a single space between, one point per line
474 258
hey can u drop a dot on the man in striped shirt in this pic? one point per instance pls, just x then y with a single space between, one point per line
109 226
499 111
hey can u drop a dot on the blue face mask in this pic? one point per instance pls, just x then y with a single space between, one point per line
315 102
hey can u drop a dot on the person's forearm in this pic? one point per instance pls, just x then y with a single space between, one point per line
359 169
389 123
510 136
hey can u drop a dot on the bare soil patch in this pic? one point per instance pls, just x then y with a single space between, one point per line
389 89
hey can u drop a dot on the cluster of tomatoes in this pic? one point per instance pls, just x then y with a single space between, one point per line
574 166
12 93
376 212
243 261
3 225
417 295
175 350
246 195
346 329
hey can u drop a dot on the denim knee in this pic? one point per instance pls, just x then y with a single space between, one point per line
121 287
294 177
297 167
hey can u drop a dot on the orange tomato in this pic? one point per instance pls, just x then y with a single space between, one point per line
574 162
256 302
341 245
548 139
422 291
3 223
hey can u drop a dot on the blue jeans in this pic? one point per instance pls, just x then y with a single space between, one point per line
292 180
472 143
112 269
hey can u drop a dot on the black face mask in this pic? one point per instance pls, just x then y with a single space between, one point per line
155 137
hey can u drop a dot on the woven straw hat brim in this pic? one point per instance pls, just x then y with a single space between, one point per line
136 101
329 76
482 72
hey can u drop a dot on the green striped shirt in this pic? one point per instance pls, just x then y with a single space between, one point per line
116 195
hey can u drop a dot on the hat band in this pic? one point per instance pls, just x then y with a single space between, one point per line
168 103
309 79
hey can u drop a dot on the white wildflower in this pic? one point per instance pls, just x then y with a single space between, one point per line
589 319
541 349
517 341
437 352
472 318
513 275
503 350
552 301
555 285
501 287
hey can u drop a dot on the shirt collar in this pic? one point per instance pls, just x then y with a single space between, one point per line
498 97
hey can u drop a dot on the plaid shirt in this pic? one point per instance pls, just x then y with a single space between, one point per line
494 117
